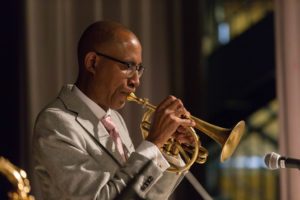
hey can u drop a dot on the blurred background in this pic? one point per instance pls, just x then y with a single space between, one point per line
228 60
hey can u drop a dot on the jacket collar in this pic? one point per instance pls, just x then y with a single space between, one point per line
89 121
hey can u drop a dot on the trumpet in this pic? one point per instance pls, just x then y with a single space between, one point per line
228 139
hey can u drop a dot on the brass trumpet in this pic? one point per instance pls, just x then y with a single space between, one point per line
227 138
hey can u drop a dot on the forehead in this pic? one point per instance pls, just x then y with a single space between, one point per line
124 44
123 38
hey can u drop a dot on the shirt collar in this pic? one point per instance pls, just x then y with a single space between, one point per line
95 108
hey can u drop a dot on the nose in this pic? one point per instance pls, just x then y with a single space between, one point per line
134 81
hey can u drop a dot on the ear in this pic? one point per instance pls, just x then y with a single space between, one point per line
90 62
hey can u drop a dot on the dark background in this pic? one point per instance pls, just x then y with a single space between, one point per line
12 82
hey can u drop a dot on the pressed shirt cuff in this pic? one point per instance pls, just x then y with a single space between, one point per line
174 160
152 152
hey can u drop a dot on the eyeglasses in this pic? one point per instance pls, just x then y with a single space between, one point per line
131 68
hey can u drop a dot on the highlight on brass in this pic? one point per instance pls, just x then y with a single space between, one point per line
227 138
18 178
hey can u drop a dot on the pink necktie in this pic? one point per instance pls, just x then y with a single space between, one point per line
111 128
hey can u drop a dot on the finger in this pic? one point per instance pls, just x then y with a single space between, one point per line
182 113
179 112
171 103
184 138
187 114
182 130
177 106
186 122
166 103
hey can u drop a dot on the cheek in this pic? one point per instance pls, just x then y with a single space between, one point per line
115 88
108 82
118 80
111 82
115 84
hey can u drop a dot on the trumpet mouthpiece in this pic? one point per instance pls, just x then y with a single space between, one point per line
131 97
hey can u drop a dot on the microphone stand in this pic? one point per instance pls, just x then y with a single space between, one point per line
197 185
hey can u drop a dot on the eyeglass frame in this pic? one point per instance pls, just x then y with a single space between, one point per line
131 68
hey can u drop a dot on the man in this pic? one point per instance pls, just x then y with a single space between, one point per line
76 155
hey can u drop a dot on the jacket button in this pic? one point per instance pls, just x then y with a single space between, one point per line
143 187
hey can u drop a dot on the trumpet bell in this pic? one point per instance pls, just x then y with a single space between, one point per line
232 141
228 139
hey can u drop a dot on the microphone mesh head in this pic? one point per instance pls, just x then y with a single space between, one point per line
271 160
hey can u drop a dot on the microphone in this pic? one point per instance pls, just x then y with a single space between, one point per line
275 161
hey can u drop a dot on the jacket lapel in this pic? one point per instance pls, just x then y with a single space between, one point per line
89 122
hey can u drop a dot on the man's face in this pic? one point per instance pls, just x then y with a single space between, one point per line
111 84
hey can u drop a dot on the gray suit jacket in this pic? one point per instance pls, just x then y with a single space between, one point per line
74 157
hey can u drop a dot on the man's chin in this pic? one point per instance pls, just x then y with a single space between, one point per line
119 105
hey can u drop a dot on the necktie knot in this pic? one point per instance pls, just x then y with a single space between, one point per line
108 124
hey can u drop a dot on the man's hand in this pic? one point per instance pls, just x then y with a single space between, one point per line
184 136
169 118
